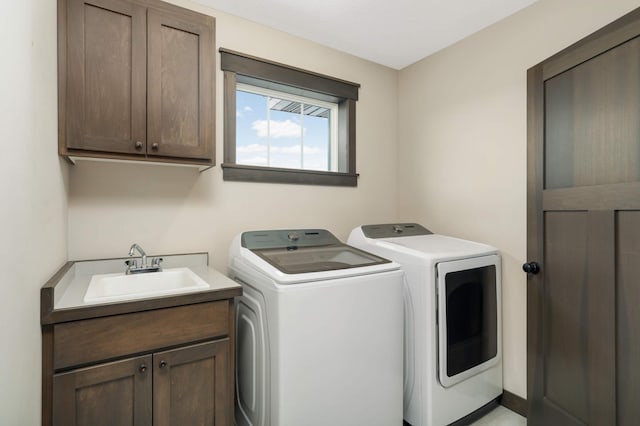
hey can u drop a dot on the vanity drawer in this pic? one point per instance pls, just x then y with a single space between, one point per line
87 341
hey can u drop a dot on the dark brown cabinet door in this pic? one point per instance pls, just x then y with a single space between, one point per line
180 89
584 230
136 81
117 393
104 87
193 385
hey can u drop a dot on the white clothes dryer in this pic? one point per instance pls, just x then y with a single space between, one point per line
318 331
453 324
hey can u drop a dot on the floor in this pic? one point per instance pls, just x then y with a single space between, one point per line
501 416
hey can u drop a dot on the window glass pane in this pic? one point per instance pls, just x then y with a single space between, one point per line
251 143
285 136
275 131
316 143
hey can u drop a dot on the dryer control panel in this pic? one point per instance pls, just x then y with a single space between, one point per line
389 230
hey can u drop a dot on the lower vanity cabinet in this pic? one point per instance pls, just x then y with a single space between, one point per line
170 366
176 387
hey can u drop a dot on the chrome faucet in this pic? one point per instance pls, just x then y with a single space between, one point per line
132 264
133 249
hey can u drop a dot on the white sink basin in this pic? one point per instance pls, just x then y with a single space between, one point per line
116 287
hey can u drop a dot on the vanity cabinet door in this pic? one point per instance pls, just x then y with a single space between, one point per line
103 91
193 385
180 84
115 393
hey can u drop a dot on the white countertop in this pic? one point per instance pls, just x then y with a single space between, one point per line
70 291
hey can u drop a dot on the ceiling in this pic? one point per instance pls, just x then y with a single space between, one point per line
395 33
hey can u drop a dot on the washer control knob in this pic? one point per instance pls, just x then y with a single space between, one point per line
293 236
397 229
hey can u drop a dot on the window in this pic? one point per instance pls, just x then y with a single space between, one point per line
286 125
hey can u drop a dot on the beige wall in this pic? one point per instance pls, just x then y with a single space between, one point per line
169 209
33 216
462 141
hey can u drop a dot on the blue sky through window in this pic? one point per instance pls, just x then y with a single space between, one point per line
275 138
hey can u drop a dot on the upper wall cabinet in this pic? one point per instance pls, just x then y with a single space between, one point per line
135 81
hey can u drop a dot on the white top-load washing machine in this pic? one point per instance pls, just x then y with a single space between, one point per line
319 331
453 337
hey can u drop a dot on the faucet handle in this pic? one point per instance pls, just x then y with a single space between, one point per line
131 264
156 261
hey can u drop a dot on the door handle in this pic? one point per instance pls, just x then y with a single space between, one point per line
531 267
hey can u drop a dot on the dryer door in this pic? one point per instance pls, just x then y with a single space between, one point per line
469 317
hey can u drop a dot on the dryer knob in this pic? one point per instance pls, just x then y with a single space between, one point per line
397 229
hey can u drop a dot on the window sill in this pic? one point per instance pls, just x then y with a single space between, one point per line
242 173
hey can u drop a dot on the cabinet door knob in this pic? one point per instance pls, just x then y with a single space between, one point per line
143 368
163 364
155 146
138 145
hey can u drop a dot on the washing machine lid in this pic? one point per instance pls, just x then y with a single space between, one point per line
306 251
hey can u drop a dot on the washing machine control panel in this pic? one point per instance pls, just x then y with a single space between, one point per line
282 238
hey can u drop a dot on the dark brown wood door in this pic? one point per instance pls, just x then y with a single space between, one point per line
192 385
106 75
180 84
584 231
116 393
